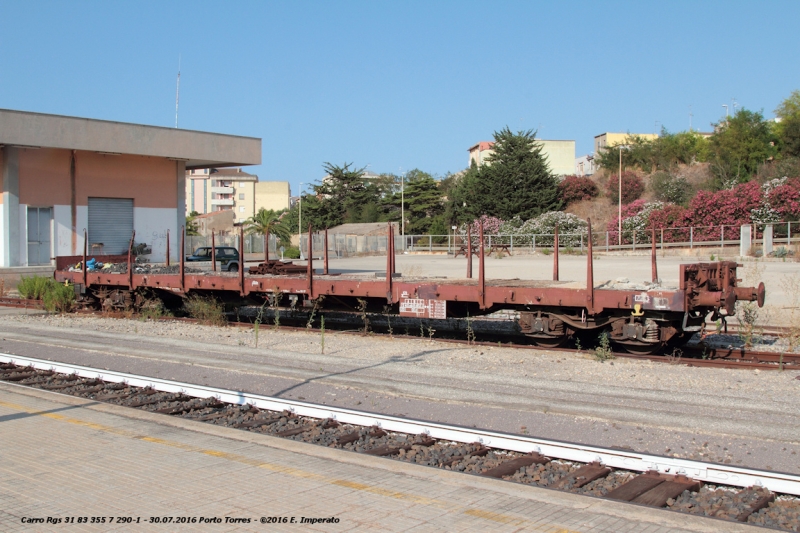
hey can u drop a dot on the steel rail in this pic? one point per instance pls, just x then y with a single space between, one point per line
701 471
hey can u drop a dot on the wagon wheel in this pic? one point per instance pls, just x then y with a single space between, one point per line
639 348
548 341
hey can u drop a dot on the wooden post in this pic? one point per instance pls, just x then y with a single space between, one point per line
214 253
555 255
167 247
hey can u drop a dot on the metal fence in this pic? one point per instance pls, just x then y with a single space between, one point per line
768 236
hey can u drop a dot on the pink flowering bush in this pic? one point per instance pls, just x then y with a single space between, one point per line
575 189
632 187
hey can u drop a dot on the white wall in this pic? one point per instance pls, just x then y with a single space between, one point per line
62 229
3 237
151 225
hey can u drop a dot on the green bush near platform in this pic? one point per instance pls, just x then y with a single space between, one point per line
55 296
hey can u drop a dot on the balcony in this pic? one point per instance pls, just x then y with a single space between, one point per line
222 190
222 201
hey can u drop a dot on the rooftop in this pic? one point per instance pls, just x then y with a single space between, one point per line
199 149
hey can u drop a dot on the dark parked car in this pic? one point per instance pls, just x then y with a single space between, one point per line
227 256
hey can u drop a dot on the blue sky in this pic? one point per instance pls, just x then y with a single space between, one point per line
397 85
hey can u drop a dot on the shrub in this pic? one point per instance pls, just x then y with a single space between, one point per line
669 188
291 252
632 187
206 310
55 296
34 287
59 298
575 189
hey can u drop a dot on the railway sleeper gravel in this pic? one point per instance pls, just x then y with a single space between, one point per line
753 505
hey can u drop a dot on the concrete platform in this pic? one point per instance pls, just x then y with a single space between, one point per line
63 457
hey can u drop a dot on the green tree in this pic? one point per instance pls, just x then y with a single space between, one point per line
423 202
663 153
266 222
343 196
738 146
788 129
515 181
192 229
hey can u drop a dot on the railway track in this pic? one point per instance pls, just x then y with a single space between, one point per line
699 355
730 493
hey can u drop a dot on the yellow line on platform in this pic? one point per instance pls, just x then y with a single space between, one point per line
296 472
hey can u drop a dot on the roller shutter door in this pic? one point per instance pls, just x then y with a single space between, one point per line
110 224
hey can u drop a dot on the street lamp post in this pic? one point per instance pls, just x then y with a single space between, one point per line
619 216
403 209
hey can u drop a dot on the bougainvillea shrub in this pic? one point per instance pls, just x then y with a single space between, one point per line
576 189
632 187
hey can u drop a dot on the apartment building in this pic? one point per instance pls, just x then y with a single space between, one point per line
560 154
210 190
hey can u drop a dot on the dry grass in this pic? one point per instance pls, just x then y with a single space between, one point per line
600 210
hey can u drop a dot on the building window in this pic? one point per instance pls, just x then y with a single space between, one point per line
241 184
241 196
241 209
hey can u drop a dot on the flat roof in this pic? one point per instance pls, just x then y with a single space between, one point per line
199 149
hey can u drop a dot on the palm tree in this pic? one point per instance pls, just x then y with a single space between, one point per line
264 222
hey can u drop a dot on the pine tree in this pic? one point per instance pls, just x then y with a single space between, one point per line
515 181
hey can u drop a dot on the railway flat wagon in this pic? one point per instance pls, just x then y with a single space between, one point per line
642 320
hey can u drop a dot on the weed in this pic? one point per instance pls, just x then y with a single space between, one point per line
711 257
431 331
362 308
470 331
578 344
2 288
152 309
317 304
603 352
277 319
748 317
389 324
422 330
257 323
207 311
546 251
322 334
675 357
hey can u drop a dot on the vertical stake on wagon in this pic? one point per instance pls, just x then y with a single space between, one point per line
469 251
182 258
325 254
555 255
389 267
241 260
590 272
167 247
213 253
310 249
130 267
653 257
481 268
85 270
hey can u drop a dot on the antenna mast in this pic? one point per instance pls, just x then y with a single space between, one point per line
178 91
